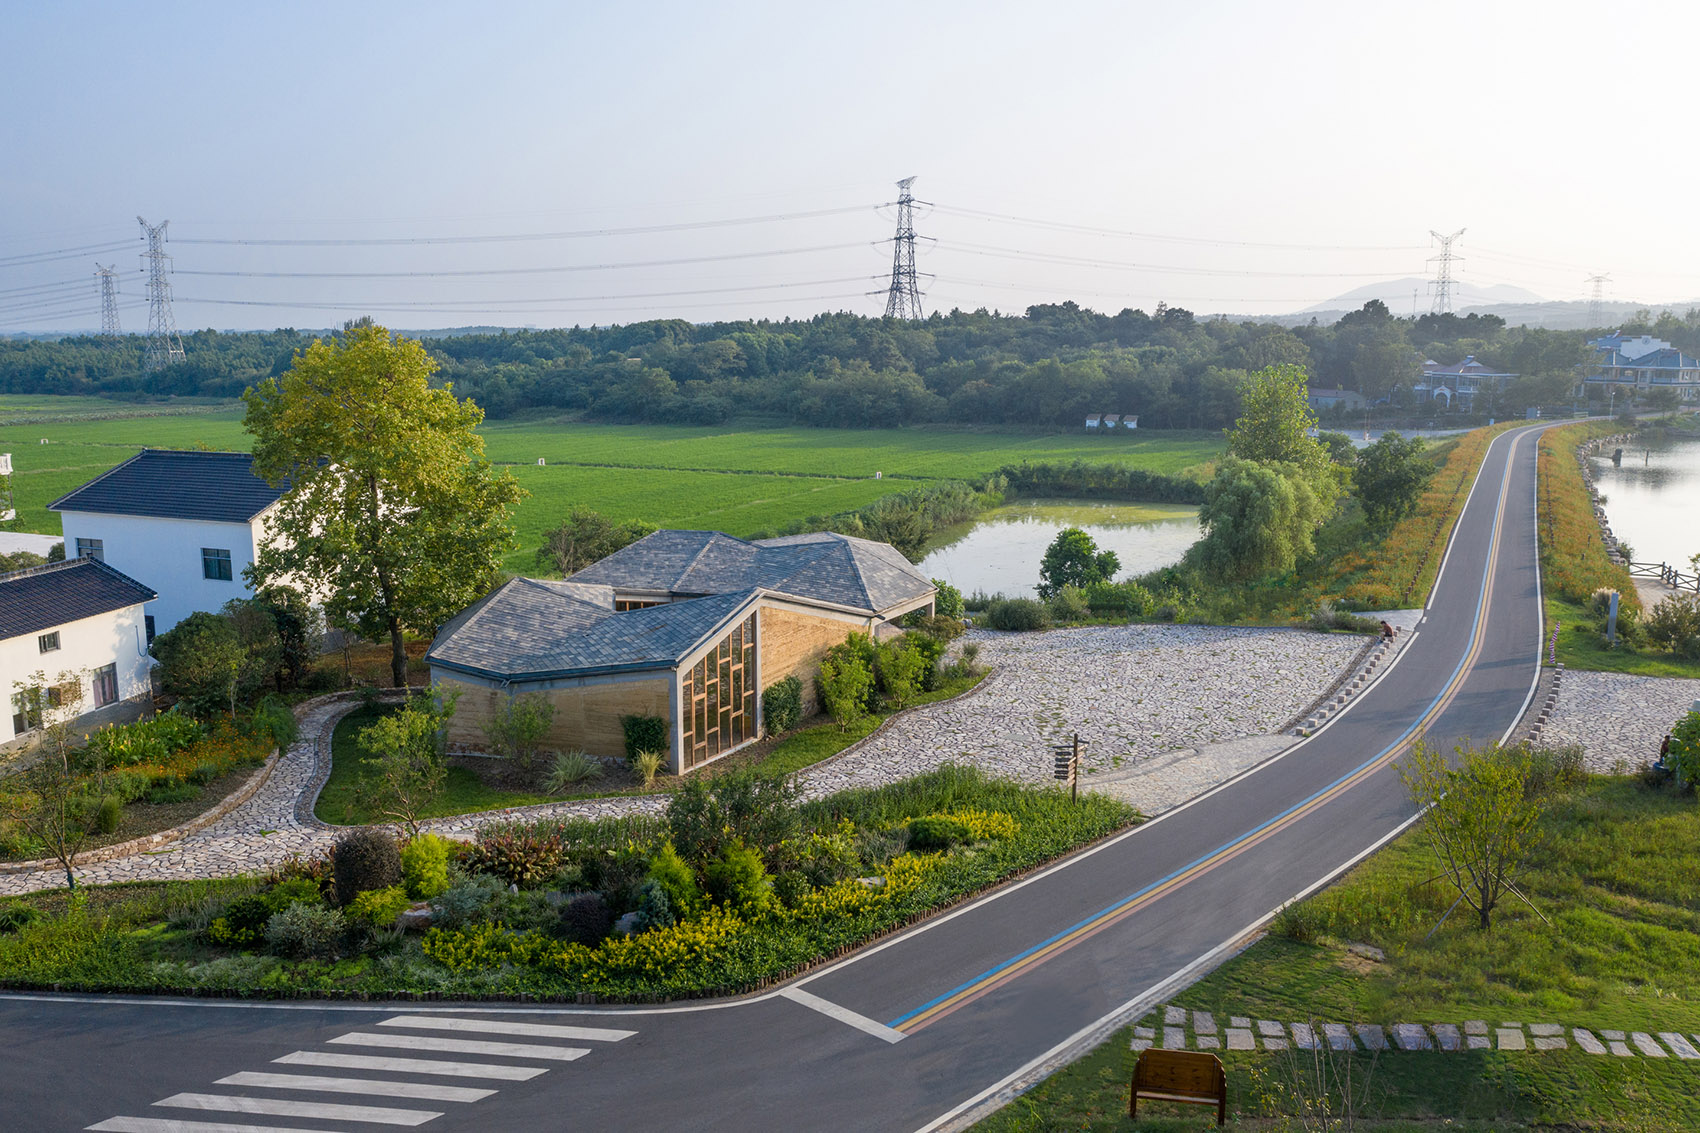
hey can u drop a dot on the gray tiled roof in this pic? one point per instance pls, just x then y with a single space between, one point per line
172 484
531 628
823 567
39 598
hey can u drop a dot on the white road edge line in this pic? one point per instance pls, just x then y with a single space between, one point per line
411 1065
371 1114
843 1015
502 1027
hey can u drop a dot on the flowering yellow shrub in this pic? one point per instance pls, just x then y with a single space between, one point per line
987 825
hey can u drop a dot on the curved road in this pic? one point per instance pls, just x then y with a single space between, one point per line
920 1032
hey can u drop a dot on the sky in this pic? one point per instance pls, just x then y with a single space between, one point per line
1223 156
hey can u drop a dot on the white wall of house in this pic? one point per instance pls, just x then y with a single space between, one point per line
165 554
85 646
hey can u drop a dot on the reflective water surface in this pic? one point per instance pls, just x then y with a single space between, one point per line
1000 552
1653 498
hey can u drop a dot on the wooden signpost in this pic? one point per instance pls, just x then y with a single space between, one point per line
1068 766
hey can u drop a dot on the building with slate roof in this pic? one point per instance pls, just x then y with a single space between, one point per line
1644 363
185 523
78 621
1460 383
689 626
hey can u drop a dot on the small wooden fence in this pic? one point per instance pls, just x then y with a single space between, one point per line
1666 574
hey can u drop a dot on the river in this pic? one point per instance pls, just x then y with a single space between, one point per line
1000 552
1653 498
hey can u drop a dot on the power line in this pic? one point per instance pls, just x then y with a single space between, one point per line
1064 226
27 259
485 304
903 298
1128 265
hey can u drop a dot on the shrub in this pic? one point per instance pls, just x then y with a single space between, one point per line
1674 625
467 901
569 770
1326 618
109 815
1553 769
846 680
1017 615
378 908
203 773
169 792
425 866
517 731
705 815
522 856
243 924
273 719
782 705
933 832
586 919
1068 604
900 668
947 603
145 741
14 917
647 764
943 628
644 733
303 932
668 870
363 860
1129 598
738 879
1685 749
655 908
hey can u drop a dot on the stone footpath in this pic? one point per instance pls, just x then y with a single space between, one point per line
1197 1030
1618 719
1167 712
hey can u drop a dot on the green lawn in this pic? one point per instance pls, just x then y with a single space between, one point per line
735 479
1619 878
1580 647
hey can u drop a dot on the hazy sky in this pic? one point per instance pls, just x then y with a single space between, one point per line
1339 133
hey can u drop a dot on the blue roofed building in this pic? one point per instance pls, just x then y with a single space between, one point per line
1641 364
690 626
1458 385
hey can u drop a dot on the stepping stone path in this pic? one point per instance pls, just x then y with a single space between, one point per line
1475 1034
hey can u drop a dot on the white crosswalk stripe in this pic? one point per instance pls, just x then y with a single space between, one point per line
462 1046
505 1027
377 1087
175 1125
412 1065
461 1039
370 1114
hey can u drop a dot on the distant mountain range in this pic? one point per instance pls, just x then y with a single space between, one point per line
1518 307
1397 293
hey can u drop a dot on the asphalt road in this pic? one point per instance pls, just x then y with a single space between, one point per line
911 1034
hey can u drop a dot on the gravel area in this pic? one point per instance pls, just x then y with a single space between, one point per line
1617 718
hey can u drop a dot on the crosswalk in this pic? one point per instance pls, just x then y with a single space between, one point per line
402 1088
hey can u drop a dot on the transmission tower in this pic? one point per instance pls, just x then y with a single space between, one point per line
1443 272
108 302
163 347
903 301
1597 301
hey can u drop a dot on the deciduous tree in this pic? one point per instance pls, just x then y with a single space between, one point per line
585 536
52 800
1390 477
1259 518
1073 559
393 514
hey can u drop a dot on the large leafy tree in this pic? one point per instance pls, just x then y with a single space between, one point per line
1258 518
393 515
1390 477
586 536
1073 559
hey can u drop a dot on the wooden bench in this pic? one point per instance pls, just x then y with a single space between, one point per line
1179 1076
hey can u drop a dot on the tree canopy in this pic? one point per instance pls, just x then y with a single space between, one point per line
393 515
1390 476
1073 559
1259 518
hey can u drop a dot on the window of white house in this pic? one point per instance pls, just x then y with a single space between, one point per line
147 620
106 685
48 642
91 549
26 711
215 564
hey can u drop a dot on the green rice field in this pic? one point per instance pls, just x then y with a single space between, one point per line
737 480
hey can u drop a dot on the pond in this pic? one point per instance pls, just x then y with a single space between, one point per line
1000 552
1651 497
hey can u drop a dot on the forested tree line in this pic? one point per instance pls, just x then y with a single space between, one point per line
1052 365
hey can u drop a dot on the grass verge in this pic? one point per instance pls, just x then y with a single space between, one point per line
1619 878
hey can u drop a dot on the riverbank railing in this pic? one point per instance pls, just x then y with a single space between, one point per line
1666 574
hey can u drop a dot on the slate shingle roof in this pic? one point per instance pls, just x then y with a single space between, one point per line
531 629
824 567
39 598
173 484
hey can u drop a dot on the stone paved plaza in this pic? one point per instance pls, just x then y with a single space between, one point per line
1617 718
1167 711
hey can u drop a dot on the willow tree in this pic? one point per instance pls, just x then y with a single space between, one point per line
392 516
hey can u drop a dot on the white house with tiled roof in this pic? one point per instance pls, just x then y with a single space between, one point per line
1644 363
80 619
690 626
1460 383
186 523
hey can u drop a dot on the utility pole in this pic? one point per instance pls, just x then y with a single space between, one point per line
108 301
1443 272
163 346
1596 301
903 300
